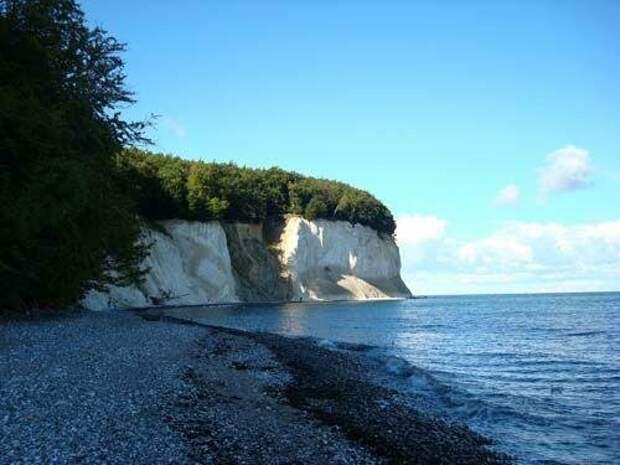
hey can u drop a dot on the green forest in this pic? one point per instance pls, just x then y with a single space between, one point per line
163 187
76 192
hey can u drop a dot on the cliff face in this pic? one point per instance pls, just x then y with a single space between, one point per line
199 263
334 260
188 265
256 268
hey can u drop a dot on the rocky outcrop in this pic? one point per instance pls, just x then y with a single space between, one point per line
335 260
193 263
189 264
256 268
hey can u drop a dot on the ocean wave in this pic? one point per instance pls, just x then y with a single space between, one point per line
449 400
585 333
433 326
555 362
338 345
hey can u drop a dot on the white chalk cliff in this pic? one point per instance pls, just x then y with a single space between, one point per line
335 260
187 266
198 263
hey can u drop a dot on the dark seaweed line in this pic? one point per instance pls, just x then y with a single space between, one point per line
368 414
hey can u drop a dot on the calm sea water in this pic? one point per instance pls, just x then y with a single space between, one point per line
539 373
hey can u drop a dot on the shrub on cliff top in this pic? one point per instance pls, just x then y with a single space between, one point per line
169 187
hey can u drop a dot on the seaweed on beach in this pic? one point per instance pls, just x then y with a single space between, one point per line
330 386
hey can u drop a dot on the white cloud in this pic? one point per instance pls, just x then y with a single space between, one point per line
421 240
544 245
518 257
509 195
496 251
567 169
416 229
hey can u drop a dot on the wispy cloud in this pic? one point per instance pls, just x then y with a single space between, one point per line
614 175
174 126
508 196
567 169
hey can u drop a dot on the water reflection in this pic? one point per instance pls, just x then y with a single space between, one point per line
292 321
541 373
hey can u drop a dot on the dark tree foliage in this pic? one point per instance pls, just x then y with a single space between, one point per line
67 222
72 195
169 187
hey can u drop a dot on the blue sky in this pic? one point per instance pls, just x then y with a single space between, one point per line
435 107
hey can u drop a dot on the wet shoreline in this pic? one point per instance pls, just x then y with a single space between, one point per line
143 388
341 389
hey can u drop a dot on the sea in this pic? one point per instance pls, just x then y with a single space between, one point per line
537 373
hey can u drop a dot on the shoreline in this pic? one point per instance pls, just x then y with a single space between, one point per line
210 395
260 303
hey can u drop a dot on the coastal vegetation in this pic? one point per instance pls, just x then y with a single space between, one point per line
165 187
67 221
75 191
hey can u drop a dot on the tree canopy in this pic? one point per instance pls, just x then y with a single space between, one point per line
73 191
67 221
166 187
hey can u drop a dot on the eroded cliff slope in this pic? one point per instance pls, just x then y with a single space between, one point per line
199 263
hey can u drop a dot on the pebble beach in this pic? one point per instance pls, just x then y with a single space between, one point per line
121 387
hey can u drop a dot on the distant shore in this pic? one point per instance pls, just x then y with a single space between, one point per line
124 387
